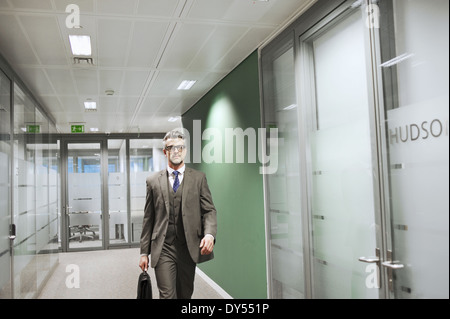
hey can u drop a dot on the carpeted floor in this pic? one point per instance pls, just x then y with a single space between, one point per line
106 274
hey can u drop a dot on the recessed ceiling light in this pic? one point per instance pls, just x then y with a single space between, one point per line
80 44
94 129
174 118
186 85
90 105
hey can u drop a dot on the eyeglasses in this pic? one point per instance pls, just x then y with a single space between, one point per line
173 148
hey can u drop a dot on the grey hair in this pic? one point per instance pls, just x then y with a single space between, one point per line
174 134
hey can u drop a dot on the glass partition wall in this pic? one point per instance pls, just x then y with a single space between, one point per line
283 204
104 189
29 191
5 186
35 213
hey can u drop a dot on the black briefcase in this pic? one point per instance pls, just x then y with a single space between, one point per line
144 288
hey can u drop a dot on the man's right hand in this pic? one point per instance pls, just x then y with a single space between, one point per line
143 263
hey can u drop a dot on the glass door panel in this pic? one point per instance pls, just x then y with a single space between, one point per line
284 203
146 156
5 186
25 283
118 192
341 168
415 67
84 195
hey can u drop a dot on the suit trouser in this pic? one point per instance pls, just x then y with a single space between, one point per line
175 272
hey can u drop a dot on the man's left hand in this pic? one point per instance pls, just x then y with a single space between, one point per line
207 245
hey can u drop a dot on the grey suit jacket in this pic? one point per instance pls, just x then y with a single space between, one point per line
199 214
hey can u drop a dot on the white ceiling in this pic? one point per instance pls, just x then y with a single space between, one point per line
142 49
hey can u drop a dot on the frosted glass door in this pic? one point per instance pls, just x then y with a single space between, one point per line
415 65
284 202
342 210
117 192
5 186
84 189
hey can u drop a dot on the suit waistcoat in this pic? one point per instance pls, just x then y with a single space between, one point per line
175 230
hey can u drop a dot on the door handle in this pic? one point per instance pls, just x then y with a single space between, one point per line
12 232
369 260
392 265
67 208
374 260
389 264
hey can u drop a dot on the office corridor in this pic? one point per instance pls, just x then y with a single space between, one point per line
321 128
106 274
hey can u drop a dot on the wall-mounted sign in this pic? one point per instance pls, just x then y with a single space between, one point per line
31 128
77 128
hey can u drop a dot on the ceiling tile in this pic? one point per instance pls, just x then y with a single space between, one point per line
166 106
187 41
111 80
49 48
222 39
146 43
247 44
13 43
62 81
108 104
112 42
151 104
36 79
166 82
133 83
209 9
163 8
84 5
86 82
52 103
278 13
127 104
247 10
35 4
116 6
71 104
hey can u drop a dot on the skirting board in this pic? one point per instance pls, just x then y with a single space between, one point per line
215 286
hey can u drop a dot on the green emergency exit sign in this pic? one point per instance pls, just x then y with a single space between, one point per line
33 128
77 128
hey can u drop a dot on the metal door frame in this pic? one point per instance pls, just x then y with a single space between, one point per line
65 191
334 17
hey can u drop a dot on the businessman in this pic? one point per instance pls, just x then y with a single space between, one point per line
180 224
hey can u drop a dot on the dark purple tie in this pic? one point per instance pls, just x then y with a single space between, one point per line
176 182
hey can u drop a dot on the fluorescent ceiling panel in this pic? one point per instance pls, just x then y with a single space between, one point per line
186 85
80 45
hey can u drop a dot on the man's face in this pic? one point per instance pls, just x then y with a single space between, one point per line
175 151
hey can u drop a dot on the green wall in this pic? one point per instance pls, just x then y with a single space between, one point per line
239 266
